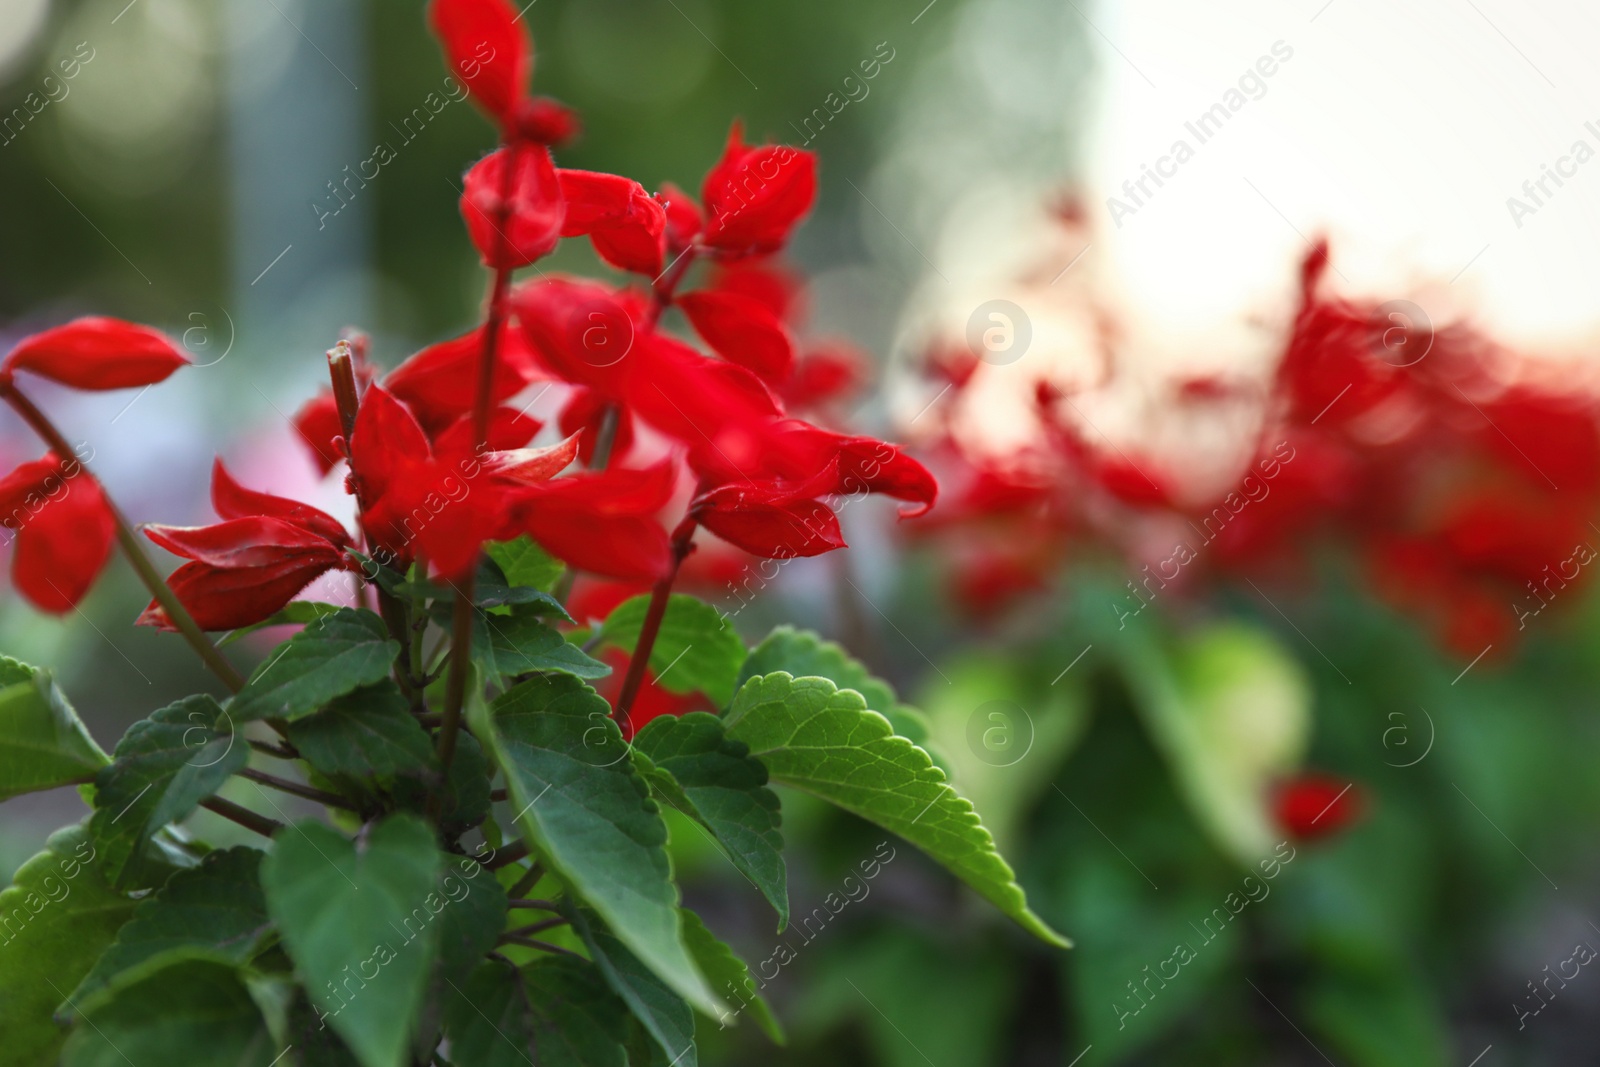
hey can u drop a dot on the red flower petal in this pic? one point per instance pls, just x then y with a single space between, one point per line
765 280
512 226
226 599
98 353
532 465
684 218
231 500
827 373
583 331
763 523
742 330
386 438
440 383
318 425
584 414
64 531
253 541
626 224
486 50
754 196
618 547
1317 805
508 428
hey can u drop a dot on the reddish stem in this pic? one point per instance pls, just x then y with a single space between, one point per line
682 542
242 815
177 614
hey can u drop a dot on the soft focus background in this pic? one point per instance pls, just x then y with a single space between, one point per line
1136 764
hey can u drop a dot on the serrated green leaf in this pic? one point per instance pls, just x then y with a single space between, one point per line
358 921
217 906
524 563
43 744
335 655
817 737
519 642
296 611
580 803
662 1012
696 650
164 766
368 733
56 917
805 654
728 975
727 793
556 1009
194 1011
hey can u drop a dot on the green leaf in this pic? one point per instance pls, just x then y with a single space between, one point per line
472 917
557 1008
337 654
357 919
728 974
726 790
315 1043
296 611
42 742
822 739
519 642
368 733
580 802
493 588
524 563
217 907
56 917
466 796
164 767
195 1012
696 650
804 654
661 1011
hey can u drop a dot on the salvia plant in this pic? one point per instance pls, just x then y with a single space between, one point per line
490 882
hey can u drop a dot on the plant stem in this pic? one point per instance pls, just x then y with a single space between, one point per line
532 905
331 800
534 928
527 881
177 614
243 816
682 539
542 946
508 855
278 751
456 685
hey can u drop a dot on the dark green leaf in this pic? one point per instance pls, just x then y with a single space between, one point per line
335 655
194 1012
518 642
358 922
368 733
163 767
822 739
315 1043
696 650
727 792
296 611
471 921
217 906
580 803
56 917
728 975
466 796
661 1011
557 1008
524 563
42 742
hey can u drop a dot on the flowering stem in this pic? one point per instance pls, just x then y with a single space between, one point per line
682 539
177 614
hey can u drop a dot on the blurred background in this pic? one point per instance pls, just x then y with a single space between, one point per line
1246 540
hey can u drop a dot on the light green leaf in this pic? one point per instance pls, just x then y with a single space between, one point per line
804 654
580 803
696 650
335 655
42 742
164 767
822 739
358 923
557 1008
217 907
194 1012
728 975
368 733
524 563
56 917
726 790
662 1012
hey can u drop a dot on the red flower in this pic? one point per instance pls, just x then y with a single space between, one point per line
64 529
517 219
487 51
440 383
741 329
97 353
1317 805
684 217
826 374
584 414
245 568
626 224
317 423
602 521
754 196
